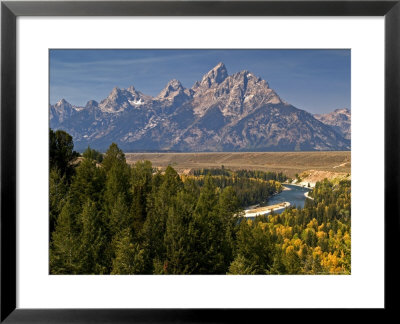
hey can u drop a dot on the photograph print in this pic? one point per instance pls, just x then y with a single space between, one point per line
200 161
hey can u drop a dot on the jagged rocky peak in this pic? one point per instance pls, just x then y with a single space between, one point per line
131 89
92 103
238 95
61 111
115 91
213 77
116 101
116 94
121 99
255 88
245 92
173 86
62 103
343 111
137 94
219 73
247 76
63 107
174 93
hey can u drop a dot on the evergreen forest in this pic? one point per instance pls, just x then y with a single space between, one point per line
109 217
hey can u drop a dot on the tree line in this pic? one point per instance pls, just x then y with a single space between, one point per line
249 191
253 174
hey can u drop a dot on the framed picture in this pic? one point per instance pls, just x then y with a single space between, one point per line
238 153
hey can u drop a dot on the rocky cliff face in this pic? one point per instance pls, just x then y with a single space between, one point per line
221 112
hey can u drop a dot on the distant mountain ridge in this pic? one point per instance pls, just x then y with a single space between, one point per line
221 112
339 120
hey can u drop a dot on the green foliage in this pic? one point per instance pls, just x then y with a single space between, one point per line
113 156
140 187
254 252
129 257
240 266
298 179
92 154
110 217
57 194
92 241
88 183
119 217
65 245
163 190
249 191
251 174
317 238
180 258
61 152
117 184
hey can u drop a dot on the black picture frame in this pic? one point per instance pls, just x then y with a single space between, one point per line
10 10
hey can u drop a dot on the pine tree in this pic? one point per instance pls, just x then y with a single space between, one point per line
118 176
208 198
92 154
117 185
62 154
180 254
129 257
206 232
140 188
120 217
240 266
88 183
164 189
230 213
57 195
113 156
254 247
92 240
65 245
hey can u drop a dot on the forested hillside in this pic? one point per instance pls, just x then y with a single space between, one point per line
107 217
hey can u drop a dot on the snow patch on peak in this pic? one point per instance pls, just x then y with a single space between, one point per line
247 98
275 99
136 102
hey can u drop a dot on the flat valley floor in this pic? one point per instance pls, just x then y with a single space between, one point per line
317 164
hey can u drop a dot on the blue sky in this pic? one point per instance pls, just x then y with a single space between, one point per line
317 81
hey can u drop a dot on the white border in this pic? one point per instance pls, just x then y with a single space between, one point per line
364 288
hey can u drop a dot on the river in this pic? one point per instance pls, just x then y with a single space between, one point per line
295 196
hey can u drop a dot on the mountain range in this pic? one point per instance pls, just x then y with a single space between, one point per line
221 112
